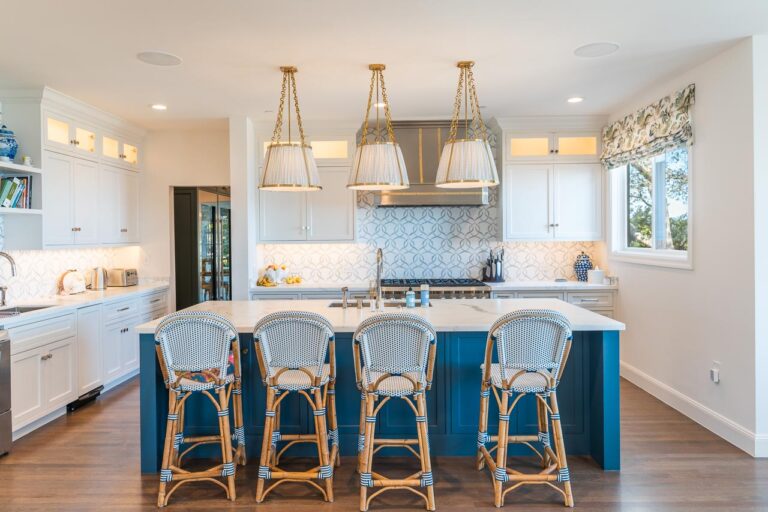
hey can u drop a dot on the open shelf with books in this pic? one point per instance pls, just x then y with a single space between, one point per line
21 206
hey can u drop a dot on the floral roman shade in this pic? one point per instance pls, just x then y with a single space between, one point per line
650 130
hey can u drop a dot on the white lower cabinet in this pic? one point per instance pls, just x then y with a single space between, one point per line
42 380
89 349
56 360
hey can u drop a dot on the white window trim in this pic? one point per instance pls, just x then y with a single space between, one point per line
618 227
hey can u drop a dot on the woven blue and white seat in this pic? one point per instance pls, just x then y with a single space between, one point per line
394 358
199 352
296 354
532 348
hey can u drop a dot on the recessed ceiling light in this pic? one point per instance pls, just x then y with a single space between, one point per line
593 50
575 99
155 58
159 106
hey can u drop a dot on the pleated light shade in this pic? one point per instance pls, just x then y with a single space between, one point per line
467 163
378 166
290 167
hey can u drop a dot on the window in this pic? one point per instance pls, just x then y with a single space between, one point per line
651 209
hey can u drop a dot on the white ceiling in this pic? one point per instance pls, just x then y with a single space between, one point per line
232 50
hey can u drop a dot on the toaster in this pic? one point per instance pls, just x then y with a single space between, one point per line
122 277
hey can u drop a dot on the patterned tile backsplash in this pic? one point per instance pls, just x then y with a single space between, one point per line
38 272
428 242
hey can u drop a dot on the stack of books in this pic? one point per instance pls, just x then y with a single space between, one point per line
16 192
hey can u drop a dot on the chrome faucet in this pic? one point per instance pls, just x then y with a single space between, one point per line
379 271
4 289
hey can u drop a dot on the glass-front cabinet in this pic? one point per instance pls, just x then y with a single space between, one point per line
62 133
121 151
553 146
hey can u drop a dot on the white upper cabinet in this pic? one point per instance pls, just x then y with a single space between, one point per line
553 147
62 133
119 209
322 216
527 202
552 201
331 212
578 201
70 204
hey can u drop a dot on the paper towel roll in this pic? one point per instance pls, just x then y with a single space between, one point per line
595 276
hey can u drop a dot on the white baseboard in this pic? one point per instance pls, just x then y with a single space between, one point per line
39 422
34 425
736 434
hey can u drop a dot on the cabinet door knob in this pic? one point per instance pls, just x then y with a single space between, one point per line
46 357
74 229
557 151
124 230
551 150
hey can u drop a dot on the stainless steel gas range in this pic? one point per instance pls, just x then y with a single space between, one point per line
438 288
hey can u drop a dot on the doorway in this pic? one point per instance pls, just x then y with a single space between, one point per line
202 228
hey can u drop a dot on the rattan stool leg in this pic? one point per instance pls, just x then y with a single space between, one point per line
543 420
165 469
500 476
178 432
426 463
237 405
321 431
366 456
275 458
482 429
333 424
266 445
361 436
562 460
228 467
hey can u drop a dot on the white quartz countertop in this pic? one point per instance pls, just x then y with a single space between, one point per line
59 304
446 315
309 286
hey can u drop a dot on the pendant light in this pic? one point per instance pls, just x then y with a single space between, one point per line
378 163
467 162
289 165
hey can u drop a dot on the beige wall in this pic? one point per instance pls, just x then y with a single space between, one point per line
175 158
680 321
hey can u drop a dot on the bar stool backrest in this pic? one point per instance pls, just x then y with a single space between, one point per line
292 339
395 343
531 340
195 341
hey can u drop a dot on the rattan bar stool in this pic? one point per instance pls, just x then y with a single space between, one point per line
199 352
532 348
292 348
394 358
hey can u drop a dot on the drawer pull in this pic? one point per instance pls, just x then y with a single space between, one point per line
46 357
154 300
126 308
589 300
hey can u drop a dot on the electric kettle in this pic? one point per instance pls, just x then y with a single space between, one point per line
98 278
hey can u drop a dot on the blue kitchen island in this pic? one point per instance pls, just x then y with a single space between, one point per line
588 393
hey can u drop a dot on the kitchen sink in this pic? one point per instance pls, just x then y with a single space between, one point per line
17 310
366 304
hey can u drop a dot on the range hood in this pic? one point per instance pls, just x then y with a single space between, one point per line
421 143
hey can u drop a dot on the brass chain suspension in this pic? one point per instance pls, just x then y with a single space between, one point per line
387 113
298 112
456 109
471 103
279 124
364 138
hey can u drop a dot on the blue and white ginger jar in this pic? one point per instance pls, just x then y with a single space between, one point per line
582 265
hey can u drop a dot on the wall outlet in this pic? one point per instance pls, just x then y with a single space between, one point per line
714 372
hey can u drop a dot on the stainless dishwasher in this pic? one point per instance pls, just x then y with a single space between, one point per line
5 393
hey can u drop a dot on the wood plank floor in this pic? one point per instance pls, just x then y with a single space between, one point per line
90 461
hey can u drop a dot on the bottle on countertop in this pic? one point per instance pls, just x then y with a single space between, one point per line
410 298
424 296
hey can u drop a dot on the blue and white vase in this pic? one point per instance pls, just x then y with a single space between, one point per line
8 144
582 265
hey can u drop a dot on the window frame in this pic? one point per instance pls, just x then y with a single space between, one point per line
669 258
